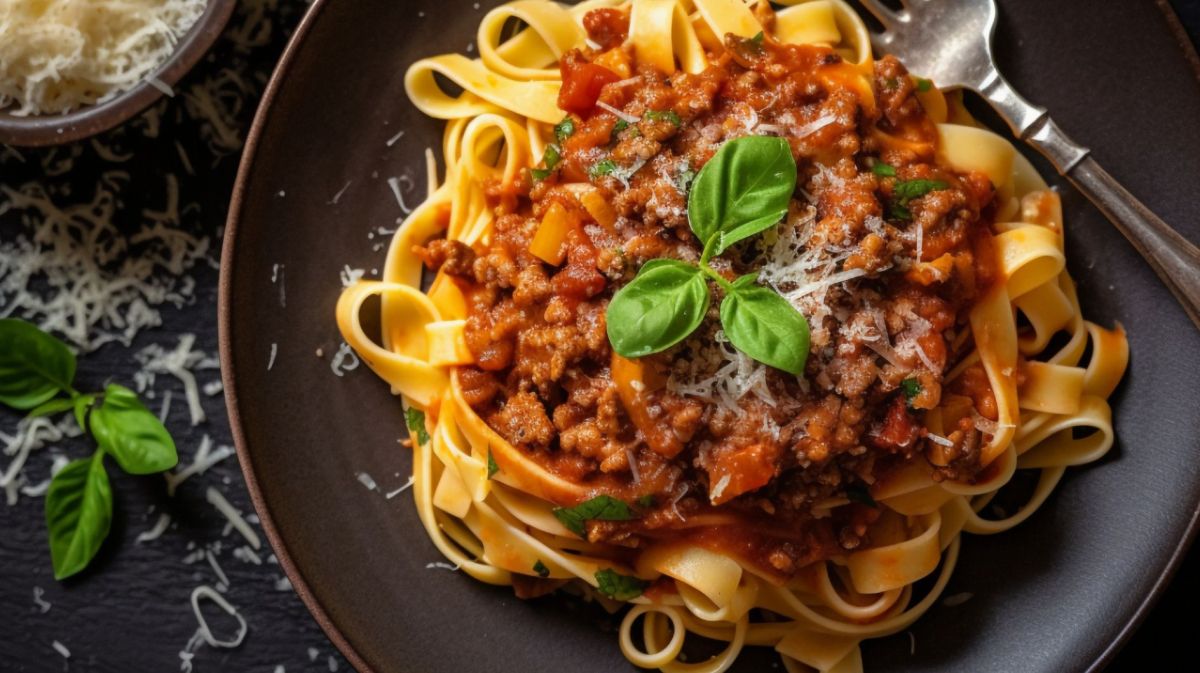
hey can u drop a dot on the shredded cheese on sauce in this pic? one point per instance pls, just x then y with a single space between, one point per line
59 55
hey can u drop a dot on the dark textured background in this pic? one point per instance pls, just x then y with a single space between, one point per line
130 612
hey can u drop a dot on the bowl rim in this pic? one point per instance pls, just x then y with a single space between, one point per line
225 301
89 120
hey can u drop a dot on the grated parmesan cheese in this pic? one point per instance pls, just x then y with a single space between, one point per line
156 532
59 55
217 500
405 487
42 604
338 363
207 592
75 272
205 458
178 363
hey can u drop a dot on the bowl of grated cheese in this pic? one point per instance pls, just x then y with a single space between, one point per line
70 69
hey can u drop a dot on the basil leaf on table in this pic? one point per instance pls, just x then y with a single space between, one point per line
599 508
619 587
763 325
744 189
52 406
78 514
34 366
131 433
658 309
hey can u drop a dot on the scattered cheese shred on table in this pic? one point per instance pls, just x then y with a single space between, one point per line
57 55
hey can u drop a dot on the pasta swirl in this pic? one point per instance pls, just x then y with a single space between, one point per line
490 507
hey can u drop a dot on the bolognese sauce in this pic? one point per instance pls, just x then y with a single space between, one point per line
883 250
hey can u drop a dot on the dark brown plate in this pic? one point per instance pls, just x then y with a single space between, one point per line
1059 593
56 129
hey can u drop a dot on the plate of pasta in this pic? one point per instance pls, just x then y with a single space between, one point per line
695 335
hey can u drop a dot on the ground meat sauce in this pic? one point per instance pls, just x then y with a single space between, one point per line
740 476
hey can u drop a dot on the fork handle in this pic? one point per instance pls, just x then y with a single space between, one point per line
1173 257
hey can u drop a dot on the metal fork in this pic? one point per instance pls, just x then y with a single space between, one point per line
963 58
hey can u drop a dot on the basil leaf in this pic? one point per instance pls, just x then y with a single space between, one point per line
78 514
493 468
124 427
541 569
415 419
619 587
564 129
645 501
883 170
540 174
658 309
601 508
744 189
34 366
763 325
923 84
82 404
52 406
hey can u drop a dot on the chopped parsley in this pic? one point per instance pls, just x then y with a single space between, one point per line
757 40
619 587
415 418
550 159
908 190
663 115
621 125
645 501
541 569
564 129
911 388
923 84
684 180
601 508
493 468
860 494
883 170
605 167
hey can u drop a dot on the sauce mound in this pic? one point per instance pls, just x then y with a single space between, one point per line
883 250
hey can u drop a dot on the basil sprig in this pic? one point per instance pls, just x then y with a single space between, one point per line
37 374
742 191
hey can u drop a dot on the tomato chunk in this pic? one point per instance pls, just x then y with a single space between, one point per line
581 85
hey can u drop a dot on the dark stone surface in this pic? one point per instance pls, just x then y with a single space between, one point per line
130 612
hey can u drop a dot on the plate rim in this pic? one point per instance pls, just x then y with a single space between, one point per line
225 348
225 342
